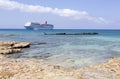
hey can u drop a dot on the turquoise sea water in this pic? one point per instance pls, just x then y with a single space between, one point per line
67 50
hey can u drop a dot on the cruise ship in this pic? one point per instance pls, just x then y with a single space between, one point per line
38 26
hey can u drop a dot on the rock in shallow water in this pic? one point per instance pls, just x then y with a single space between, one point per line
34 69
9 47
21 45
10 51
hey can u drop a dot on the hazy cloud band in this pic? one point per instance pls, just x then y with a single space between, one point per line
78 15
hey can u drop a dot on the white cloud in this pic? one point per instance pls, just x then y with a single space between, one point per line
74 14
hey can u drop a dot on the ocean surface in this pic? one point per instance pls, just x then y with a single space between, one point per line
66 50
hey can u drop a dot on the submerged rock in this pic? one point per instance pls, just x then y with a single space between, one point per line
38 43
35 69
6 35
9 47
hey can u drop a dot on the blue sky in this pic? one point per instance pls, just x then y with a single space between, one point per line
64 14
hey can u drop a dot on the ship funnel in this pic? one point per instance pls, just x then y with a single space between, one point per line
45 22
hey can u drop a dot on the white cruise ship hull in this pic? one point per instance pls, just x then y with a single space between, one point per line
37 26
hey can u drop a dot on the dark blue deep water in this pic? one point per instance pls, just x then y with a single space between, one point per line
66 50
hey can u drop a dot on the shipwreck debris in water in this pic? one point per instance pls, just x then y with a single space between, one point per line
82 33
